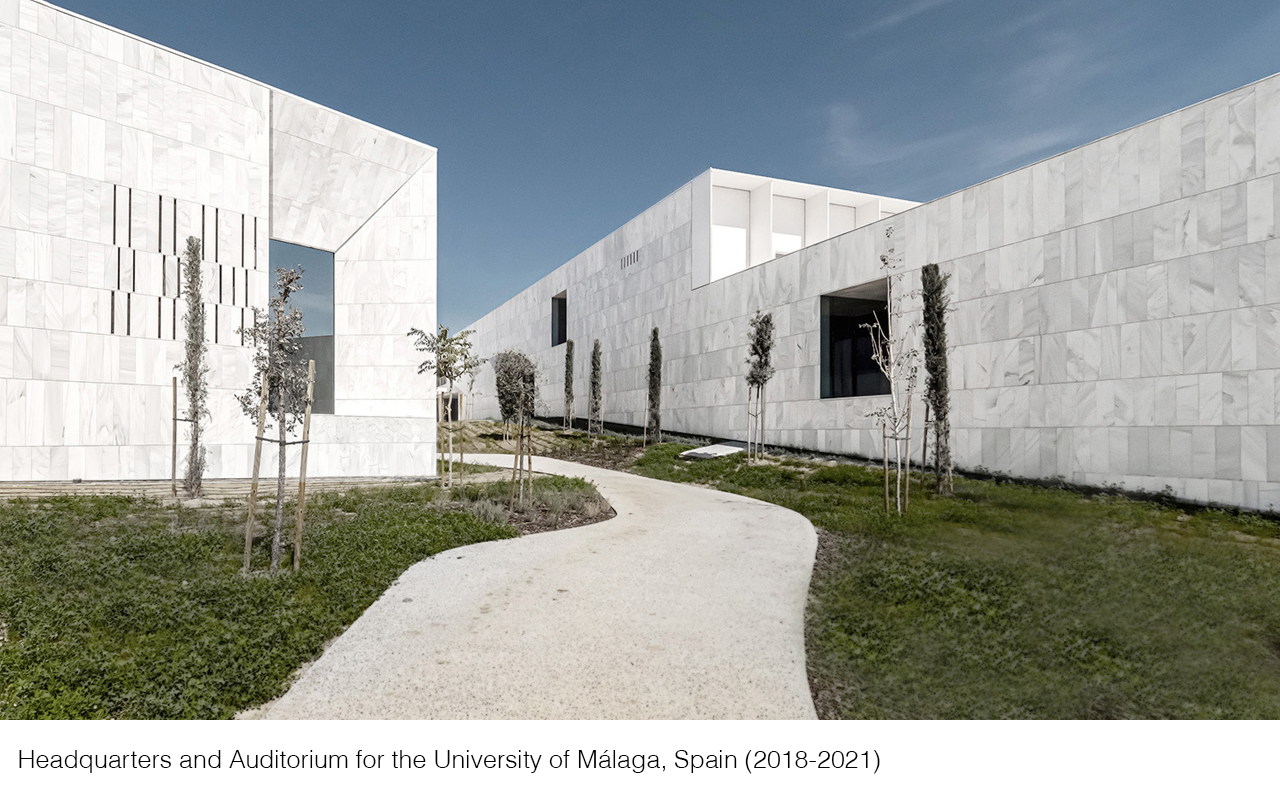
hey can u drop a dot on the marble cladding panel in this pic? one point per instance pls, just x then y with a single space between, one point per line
112 152
1113 316
331 173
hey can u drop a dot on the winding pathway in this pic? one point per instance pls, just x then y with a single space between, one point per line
688 604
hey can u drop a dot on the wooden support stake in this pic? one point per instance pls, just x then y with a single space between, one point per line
257 464
302 468
759 414
924 447
515 472
884 436
906 492
173 476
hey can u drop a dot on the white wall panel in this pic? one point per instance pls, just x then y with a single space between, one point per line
113 151
1114 313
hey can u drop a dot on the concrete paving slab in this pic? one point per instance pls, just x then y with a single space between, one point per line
689 604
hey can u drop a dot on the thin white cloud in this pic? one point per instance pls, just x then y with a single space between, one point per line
1014 149
855 150
851 146
898 17
1062 61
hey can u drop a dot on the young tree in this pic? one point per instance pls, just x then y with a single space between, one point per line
450 358
759 371
194 368
505 367
517 384
653 420
595 406
893 353
568 385
276 343
937 390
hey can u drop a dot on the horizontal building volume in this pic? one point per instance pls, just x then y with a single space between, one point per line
1115 309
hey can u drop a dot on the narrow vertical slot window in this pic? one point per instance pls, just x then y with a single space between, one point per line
559 319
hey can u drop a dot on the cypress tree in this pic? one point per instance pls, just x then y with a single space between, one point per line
595 421
937 389
568 384
654 421
760 371
194 368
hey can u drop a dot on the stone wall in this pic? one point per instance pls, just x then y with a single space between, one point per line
1116 314
114 150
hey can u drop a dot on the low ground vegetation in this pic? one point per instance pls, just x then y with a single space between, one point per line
609 451
119 607
553 503
1009 600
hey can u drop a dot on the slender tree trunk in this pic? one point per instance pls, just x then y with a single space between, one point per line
524 464
897 471
759 414
253 490
280 477
302 467
906 495
448 416
948 461
884 438
645 438
924 445
515 467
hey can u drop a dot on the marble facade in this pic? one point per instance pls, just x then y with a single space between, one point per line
114 150
1116 314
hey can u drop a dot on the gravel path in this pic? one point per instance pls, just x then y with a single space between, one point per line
688 604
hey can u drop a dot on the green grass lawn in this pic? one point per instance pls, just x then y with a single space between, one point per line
123 608
1018 601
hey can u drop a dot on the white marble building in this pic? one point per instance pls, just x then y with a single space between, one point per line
1116 308
113 150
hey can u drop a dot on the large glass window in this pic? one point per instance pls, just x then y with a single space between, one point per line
848 369
315 301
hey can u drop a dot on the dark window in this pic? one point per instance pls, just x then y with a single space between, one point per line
848 369
559 319
315 301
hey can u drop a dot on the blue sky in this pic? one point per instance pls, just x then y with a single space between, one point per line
557 122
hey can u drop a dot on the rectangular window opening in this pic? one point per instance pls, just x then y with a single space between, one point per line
559 319
848 366
315 301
